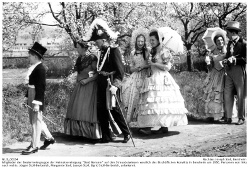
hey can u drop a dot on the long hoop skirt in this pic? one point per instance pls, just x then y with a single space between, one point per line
81 117
213 94
161 103
131 92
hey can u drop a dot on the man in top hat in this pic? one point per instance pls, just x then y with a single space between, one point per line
109 65
235 81
35 99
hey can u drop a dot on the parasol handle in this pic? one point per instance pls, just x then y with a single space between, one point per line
168 41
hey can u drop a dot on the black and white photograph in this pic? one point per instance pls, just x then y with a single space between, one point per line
128 84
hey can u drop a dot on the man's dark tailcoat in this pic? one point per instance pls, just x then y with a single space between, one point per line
235 81
38 79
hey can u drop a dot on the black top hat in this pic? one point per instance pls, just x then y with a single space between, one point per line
38 49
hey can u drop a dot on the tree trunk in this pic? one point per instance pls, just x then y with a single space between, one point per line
189 59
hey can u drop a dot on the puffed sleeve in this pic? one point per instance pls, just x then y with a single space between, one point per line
166 56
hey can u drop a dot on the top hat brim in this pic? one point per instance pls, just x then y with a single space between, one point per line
36 52
233 28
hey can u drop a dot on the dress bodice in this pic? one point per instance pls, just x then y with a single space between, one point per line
137 60
162 55
88 64
218 56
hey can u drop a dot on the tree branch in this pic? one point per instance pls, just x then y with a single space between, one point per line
195 37
53 14
52 25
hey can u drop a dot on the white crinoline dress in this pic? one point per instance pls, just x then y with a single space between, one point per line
161 103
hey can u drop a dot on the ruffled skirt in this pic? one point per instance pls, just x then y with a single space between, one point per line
213 94
161 103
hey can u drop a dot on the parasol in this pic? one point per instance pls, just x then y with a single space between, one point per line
172 40
209 35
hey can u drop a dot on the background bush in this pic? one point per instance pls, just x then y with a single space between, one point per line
57 67
15 119
199 64
191 87
16 126
15 62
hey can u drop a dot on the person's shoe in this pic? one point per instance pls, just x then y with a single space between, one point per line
106 140
228 121
28 148
161 130
126 138
47 143
210 119
30 151
223 119
164 129
240 122
145 131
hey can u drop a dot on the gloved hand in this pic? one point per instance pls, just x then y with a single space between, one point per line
113 89
36 108
232 59
207 60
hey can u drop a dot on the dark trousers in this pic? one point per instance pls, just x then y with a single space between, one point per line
103 117
234 84
103 113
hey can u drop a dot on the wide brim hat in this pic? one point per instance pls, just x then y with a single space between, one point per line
38 49
99 29
233 25
137 32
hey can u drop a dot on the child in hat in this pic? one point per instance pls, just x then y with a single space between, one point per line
36 80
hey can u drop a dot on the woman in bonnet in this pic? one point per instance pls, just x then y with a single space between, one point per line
214 82
139 68
161 104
